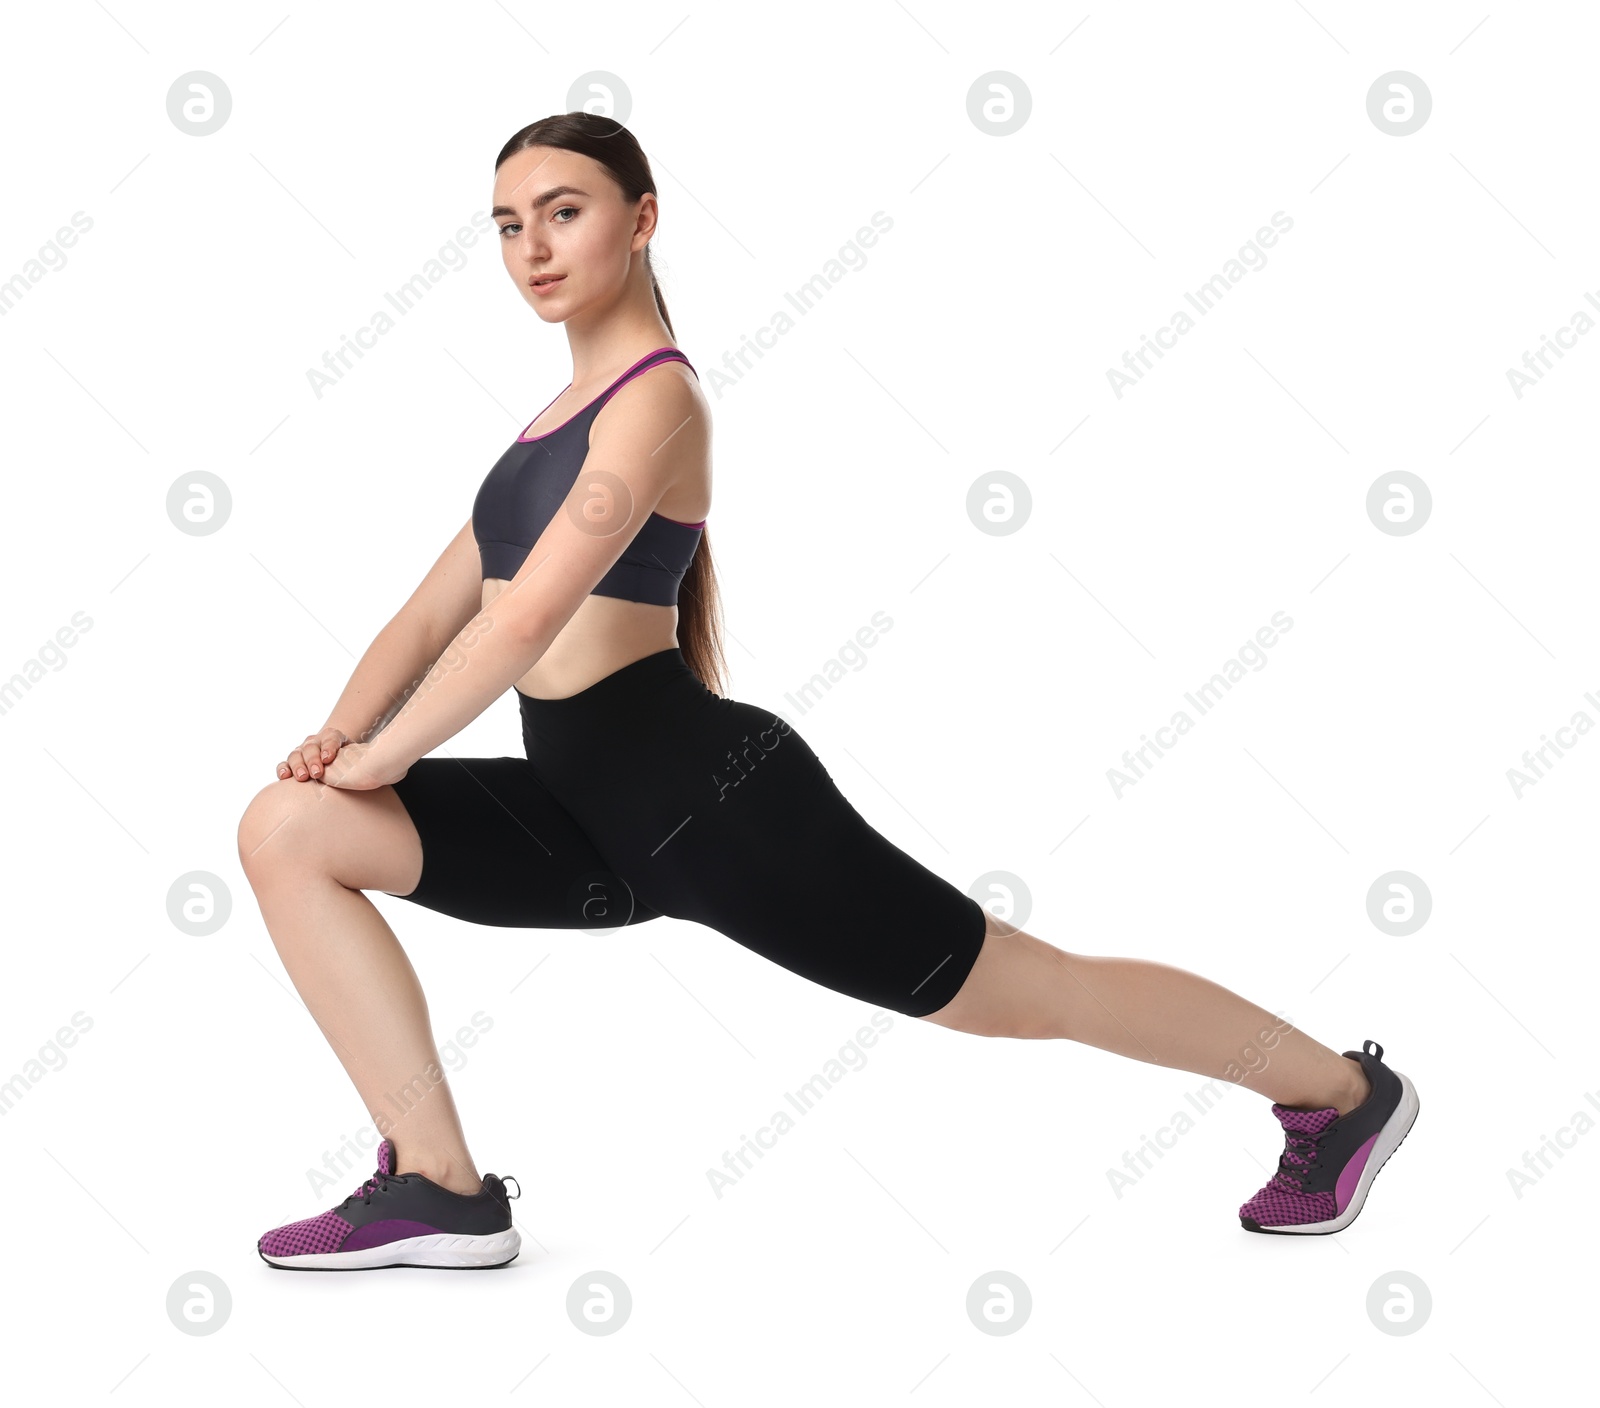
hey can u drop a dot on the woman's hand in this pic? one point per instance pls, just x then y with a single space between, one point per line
312 756
353 770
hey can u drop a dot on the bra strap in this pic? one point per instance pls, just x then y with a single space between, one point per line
644 364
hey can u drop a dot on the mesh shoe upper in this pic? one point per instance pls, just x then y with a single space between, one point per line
1285 1201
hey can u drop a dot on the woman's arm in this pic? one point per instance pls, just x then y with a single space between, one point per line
402 653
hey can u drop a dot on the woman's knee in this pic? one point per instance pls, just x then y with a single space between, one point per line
279 824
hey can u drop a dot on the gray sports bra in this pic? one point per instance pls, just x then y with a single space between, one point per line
529 482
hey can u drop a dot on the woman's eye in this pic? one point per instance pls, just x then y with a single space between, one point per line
514 225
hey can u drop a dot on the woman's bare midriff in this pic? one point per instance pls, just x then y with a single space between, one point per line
602 635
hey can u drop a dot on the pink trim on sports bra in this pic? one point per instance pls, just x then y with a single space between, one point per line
527 439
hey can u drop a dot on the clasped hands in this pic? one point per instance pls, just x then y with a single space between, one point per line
331 757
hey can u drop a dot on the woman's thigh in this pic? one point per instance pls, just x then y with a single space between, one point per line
497 848
730 819
800 876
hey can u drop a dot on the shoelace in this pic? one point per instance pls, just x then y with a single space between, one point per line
367 1189
1293 1165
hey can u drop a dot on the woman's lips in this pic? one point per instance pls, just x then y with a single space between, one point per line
548 284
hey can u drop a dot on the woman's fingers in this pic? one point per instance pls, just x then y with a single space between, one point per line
311 758
329 743
305 761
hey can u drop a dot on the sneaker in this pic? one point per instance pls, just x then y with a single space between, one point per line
400 1219
1329 1160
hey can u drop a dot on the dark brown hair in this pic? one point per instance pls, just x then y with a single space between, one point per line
608 142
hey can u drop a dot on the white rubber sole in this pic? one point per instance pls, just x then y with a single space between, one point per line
442 1249
1389 1137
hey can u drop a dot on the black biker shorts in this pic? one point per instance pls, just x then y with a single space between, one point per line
646 794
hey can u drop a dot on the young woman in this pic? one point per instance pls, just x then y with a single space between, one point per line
584 581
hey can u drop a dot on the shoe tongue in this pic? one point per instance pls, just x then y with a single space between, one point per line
386 1156
1305 1121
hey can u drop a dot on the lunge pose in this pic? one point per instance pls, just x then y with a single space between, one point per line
583 581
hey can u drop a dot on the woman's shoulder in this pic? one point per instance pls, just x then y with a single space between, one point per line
665 392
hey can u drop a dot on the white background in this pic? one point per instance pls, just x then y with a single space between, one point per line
1229 484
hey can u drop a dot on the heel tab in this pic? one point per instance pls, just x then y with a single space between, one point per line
1376 1050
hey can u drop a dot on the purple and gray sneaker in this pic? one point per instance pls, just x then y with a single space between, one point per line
400 1219
1329 1160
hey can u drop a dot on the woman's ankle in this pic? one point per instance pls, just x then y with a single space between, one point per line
439 1168
1352 1089
1360 1087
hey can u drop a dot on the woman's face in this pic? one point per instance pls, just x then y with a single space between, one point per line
562 215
